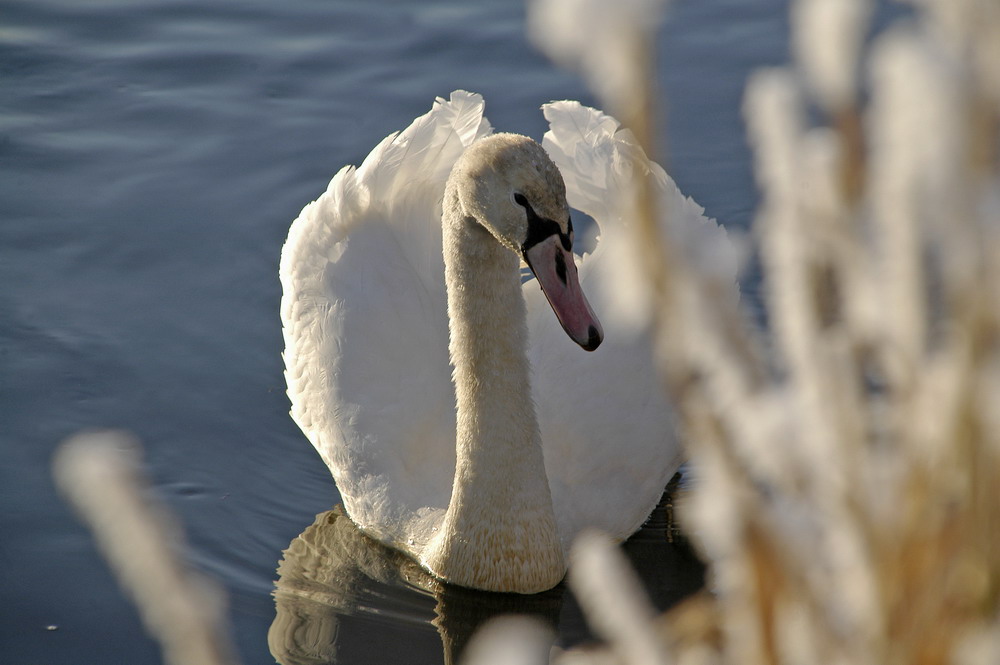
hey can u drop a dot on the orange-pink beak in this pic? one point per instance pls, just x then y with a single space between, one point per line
556 273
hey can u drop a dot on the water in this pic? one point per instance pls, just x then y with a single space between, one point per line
152 156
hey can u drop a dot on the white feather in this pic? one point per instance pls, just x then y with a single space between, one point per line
366 335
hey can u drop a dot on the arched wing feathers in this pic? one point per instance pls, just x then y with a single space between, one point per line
365 322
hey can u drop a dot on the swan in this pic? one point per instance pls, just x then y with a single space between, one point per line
460 423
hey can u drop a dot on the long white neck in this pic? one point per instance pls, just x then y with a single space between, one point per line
499 532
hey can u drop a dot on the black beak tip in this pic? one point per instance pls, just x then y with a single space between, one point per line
594 339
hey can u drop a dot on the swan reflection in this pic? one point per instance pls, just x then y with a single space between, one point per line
342 597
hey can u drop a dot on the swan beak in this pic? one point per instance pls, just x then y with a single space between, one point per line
555 270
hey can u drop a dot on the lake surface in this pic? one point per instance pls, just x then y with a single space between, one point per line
152 156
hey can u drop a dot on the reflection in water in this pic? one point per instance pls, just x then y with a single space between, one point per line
335 583
342 597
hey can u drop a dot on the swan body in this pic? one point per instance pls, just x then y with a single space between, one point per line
459 422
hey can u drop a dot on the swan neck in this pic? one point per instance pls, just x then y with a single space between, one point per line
499 531
488 340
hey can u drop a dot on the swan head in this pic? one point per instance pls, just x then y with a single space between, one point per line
510 186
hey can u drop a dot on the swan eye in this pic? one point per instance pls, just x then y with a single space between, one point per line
520 200
569 228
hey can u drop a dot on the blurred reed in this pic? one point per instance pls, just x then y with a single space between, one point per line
100 475
847 459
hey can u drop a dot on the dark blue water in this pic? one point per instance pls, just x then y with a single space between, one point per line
152 156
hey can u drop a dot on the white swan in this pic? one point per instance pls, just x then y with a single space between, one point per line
587 441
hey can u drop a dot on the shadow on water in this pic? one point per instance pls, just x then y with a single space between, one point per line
342 597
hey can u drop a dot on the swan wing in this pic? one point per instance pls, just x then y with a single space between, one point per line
607 427
364 316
